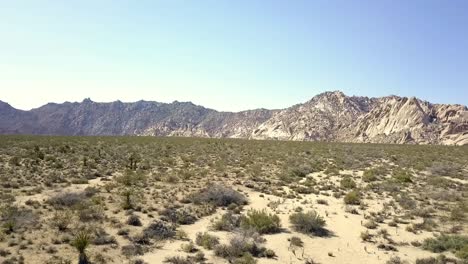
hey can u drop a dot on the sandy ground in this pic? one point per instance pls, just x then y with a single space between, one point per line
344 245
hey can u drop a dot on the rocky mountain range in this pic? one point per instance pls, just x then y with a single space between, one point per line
330 116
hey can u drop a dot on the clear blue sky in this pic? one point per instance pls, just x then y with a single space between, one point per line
231 55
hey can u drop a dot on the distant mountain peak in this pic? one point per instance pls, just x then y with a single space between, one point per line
329 116
87 100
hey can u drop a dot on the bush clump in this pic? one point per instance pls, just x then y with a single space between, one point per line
438 260
261 221
347 183
134 220
228 222
353 198
308 223
240 246
69 199
402 176
206 240
455 243
220 196
159 230
179 216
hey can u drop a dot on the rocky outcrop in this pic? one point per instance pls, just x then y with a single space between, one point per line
330 116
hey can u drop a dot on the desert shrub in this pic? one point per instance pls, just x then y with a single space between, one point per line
178 215
88 212
132 250
366 236
441 259
374 174
369 176
406 202
370 224
101 237
189 247
395 260
128 198
15 161
322 201
427 224
353 198
13 218
131 178
57 260
134 220
445 169
178 260
303 189
347 183
261 221
463 252
206 240
301 171
219 195
159 230
443 243
402 176
90 191
62 219
308 223
69 199
241 245
228 222
296 243
247 258
457 213
199 257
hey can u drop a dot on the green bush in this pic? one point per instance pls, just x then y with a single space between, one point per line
402 176
373 174
347 183
441 259
246 259
353 198
206 240
454 243
262 221
463 252
308 223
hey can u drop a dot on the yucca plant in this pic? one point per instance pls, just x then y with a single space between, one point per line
81 242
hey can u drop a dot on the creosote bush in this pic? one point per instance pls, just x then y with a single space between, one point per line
352 198
455 243
347 183
262 222
308 223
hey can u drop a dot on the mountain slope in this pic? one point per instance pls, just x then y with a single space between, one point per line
330 116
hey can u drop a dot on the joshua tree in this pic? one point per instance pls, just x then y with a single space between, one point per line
81 242
134 159
127 201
